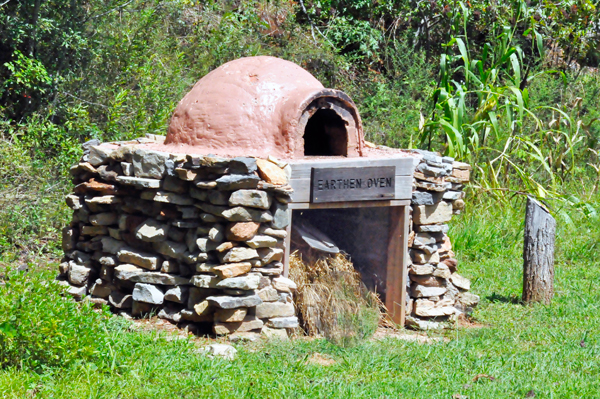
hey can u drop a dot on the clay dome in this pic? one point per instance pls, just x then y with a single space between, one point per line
260 106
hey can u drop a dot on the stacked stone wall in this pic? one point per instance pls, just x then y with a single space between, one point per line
199 240
195 239
437 293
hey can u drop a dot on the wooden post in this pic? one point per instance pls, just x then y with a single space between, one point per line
538 254
287 246
397 272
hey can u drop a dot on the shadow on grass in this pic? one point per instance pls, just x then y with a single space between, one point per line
515 300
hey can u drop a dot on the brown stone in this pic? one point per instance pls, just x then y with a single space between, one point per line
431 179
271 173
203 308
230 315
462 176
242 231
451 263
94 186
250 323
226 246
232 269
428 281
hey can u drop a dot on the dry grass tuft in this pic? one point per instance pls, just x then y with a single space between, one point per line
332 300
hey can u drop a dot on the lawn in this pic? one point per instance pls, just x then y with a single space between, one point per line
513 351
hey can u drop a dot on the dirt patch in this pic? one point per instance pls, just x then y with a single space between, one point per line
320 359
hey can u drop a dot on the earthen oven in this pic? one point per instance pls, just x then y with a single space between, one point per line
197 225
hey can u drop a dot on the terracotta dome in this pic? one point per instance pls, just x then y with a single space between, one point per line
260 106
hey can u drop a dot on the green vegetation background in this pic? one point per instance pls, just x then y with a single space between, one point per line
510 87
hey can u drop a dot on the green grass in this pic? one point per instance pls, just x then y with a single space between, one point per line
552 350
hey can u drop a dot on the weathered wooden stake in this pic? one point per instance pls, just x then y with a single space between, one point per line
538 254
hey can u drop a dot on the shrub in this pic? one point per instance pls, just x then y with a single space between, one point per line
41 327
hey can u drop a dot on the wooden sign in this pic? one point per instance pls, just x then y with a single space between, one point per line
353 184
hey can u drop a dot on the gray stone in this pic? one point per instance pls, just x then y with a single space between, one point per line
148 163
242 166
426 197
421 291
284 284
204 244
218 197
174 184
453 195
171 314
448 160
268 255
216 210
185 224
120 300
238 254
177 294
431 228
198 194
167 197
268 294
283 322
206 185
251 198
430 157
79 274
108 260
468 299
442 271
281 234
237 182
268 310
189 212
172 249
421 257
222 351
103 219
74 202
460 281
139 258
77 292
272 269
101 288
99 154
232 302
262 241
282 216
88 144
138 275
152 231
169 266
429 170
208 218
141 309
427 308
127 169
432 214
148 293
424 325
217 233
205 281
248 282
139 182
241 214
